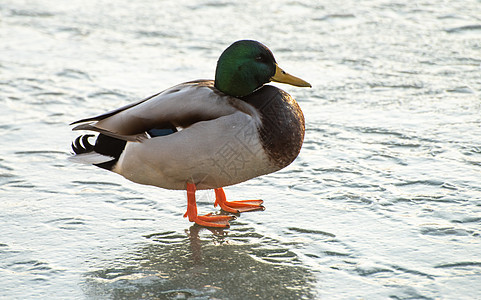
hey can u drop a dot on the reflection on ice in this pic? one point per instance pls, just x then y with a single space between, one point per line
215 264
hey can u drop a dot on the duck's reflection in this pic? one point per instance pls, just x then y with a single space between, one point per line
205 263
195 242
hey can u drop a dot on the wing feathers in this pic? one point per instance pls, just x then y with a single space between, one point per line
179 106
130 138
113 112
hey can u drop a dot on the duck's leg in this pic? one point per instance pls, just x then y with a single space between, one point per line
236 206
208 220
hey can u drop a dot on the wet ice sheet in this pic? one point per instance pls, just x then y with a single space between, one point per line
384 200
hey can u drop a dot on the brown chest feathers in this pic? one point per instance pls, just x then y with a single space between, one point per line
282 130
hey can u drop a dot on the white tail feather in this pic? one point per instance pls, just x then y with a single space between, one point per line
90 158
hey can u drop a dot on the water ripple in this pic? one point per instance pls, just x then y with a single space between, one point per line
473 27
459 264
311 231
443 231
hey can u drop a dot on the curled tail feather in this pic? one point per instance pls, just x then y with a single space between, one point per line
104 153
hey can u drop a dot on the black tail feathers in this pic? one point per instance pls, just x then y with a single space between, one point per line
104 145
82 144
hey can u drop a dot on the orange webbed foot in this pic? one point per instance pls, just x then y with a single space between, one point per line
238 206
208 220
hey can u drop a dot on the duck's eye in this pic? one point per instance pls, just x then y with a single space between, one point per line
259 58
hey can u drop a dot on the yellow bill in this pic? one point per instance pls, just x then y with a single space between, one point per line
283 77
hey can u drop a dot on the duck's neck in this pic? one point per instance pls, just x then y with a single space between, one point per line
237 82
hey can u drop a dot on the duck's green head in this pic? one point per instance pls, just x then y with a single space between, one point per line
247 65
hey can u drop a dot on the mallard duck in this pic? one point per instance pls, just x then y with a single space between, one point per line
204 134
